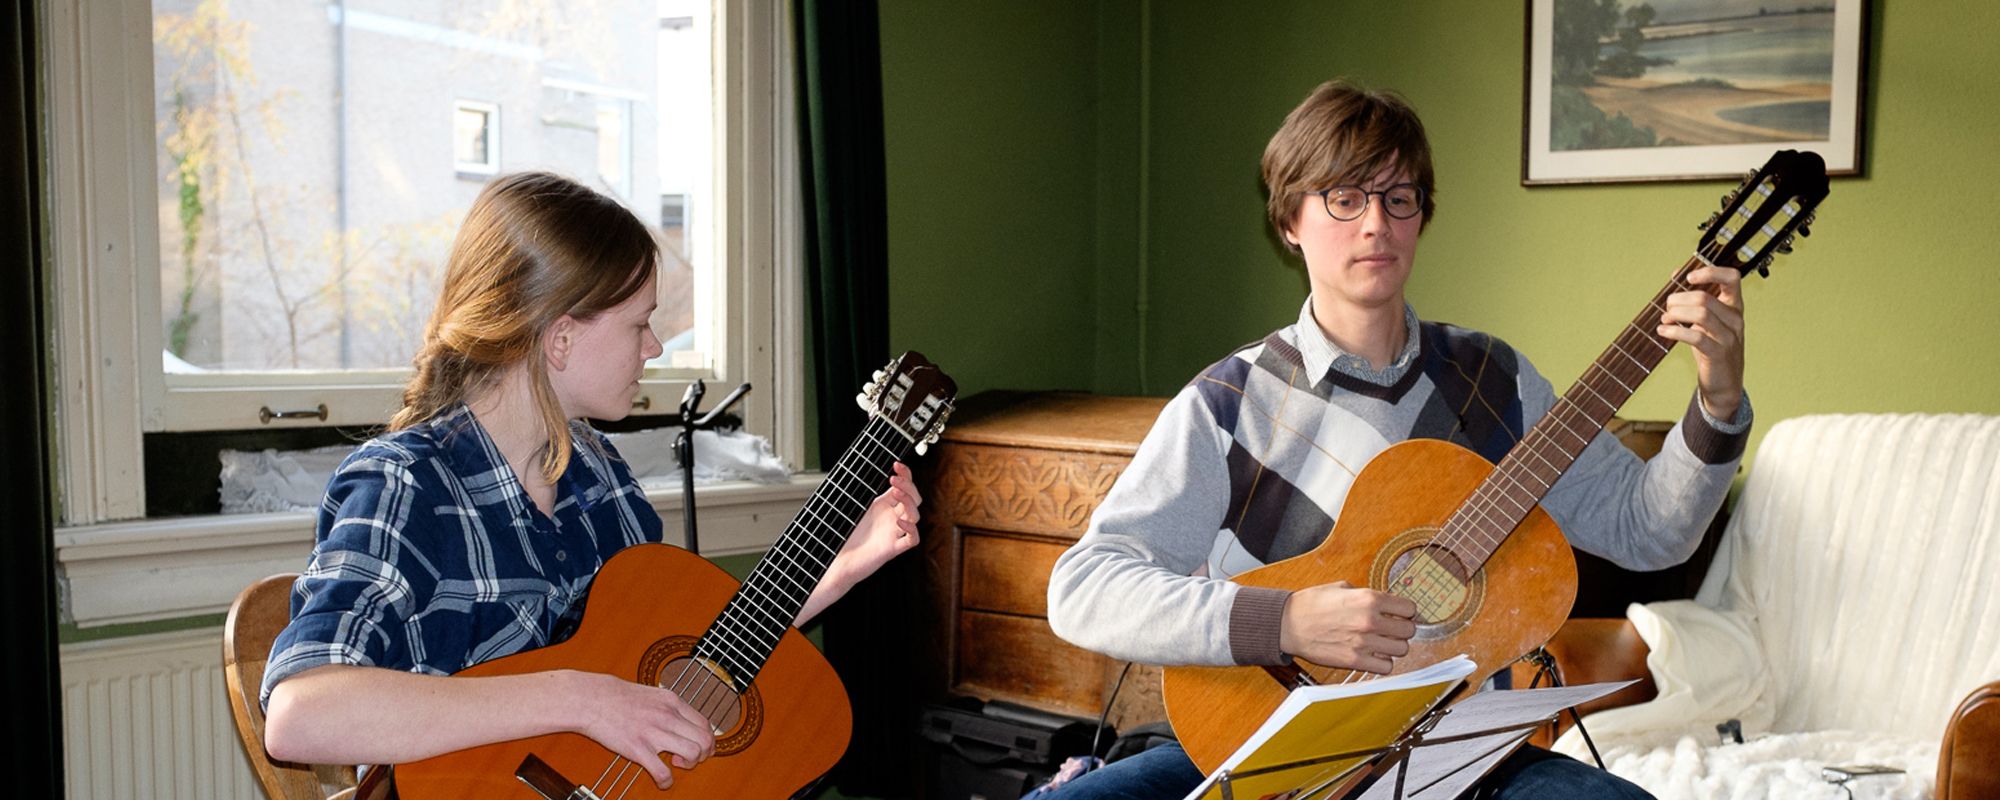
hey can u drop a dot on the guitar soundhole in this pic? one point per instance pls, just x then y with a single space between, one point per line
1432 577
736 718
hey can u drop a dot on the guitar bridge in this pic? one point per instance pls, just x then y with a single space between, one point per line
1291 676
549 783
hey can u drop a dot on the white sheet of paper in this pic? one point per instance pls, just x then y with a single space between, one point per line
1441 770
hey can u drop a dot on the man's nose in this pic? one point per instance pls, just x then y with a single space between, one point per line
1375 217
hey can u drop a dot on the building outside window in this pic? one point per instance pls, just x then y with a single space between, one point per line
475 138
304 217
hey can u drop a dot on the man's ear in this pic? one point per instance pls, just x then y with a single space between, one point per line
559 342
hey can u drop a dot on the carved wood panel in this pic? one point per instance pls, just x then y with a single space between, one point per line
1027 491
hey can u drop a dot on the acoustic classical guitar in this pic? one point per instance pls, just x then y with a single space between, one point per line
660 615
1465 539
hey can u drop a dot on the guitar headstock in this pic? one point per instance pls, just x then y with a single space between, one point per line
1761 216
912 395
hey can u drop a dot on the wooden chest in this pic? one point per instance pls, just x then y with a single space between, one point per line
1011 484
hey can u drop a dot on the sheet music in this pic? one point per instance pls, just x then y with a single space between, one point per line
1435 776
1441 770
1366 716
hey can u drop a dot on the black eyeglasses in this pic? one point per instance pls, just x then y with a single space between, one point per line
1348 203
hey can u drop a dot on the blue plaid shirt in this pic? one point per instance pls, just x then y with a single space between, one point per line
431 558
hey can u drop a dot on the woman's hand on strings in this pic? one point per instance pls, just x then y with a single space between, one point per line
640 723
886 530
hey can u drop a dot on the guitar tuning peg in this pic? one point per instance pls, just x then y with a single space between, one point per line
1711 221
861 399
1784 246
1728 198
877 376
923 447
1764 266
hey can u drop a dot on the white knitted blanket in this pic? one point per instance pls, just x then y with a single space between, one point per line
1855 602
1776 766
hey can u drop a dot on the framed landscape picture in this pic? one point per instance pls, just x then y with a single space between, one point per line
1623 90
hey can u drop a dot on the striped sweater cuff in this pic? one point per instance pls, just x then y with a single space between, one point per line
1711 444
1254 621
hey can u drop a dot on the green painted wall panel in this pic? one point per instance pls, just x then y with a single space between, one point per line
991 151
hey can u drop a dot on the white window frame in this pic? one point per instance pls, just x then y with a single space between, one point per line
491 166
116 566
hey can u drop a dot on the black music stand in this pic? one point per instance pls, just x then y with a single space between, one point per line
1451 745
684 448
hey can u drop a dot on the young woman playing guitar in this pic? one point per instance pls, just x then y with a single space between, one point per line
473 528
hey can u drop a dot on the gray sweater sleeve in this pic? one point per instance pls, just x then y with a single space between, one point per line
1127 589
1642 515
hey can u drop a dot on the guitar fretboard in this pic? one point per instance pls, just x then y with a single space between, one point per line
748 629
1525 475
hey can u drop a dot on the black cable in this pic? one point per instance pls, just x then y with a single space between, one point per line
1106 713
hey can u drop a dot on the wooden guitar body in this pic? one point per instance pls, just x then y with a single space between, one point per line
1393 512
648 606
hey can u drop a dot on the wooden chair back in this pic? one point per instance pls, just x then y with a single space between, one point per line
255 619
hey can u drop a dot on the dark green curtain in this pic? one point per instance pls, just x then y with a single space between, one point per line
846 213
27 578
847 275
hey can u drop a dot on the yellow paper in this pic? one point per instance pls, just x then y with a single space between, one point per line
1320 721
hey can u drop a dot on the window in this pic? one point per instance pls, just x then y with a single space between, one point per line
302 241
475 137
251 216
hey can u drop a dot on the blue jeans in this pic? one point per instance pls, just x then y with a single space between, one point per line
1165 773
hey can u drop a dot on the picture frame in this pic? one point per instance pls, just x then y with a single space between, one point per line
1675 90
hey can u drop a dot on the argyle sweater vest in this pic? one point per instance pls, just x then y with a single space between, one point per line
1297 440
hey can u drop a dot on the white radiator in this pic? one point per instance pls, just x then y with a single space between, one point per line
147 716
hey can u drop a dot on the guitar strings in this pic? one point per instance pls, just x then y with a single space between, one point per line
706 692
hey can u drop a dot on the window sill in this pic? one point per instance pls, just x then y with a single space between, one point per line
171 568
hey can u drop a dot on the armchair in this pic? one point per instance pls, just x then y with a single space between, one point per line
1854 604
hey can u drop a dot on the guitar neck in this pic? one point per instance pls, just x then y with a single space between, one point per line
1525 475
743 635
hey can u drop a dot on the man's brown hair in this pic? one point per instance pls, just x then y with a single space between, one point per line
1342 135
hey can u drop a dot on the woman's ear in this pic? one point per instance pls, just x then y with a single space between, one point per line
559 342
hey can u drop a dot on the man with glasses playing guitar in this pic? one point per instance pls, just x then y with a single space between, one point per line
1253 461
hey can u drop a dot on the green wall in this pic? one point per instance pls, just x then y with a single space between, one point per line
992 174
1074 202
